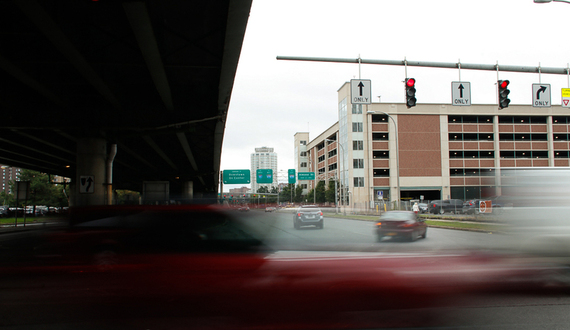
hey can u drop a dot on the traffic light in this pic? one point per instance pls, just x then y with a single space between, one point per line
410 92
503 94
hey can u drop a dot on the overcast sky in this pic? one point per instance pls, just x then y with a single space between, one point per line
272 100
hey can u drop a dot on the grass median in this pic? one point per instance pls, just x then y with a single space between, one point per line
448 222
11 221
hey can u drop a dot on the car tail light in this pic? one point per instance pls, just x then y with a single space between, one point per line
320 213
299 214
379 224
407 224
433 205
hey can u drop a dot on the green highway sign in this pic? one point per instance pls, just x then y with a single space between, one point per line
264 176
303 176
292 176
236 176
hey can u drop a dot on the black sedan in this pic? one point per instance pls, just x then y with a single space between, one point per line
402 224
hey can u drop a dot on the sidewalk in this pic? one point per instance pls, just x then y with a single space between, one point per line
48 223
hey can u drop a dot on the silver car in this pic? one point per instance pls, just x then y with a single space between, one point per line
308 215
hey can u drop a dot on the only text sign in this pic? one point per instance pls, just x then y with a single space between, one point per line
360 91
461 93
541 95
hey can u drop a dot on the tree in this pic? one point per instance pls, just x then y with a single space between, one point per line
311 196
299 197
330 193
285 195
320 191
7 199
42 190
127 197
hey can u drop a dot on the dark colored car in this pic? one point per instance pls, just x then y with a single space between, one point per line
308 215
471 206
434 207
454 206
402 224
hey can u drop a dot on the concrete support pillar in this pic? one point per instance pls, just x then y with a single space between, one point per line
90 177
188 190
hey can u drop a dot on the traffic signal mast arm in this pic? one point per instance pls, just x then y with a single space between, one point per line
467 66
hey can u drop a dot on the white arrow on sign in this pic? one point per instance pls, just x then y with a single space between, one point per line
541 95
461 93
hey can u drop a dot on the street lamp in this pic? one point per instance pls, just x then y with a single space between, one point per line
397 152
341 176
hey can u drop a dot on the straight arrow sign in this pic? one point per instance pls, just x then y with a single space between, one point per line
360 86
360 91
461 93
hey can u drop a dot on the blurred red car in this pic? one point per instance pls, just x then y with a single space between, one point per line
404 224
202 268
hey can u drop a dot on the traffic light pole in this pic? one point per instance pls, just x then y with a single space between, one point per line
442 65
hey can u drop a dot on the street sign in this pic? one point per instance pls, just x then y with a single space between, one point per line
360 91
460 93
541 95
236 176
86 184
566 97
291 174
485 206
303 176
22 190
264 176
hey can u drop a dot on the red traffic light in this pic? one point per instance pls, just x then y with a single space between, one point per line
410 82
504 84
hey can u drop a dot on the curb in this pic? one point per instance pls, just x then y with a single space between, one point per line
436 226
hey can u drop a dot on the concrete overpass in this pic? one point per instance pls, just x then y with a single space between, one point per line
151 78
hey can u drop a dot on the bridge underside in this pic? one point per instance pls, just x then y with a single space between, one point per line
152 77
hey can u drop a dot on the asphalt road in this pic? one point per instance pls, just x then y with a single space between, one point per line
356 235
27 302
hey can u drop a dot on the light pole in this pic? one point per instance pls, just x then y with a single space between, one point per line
341 175
397 152
548 1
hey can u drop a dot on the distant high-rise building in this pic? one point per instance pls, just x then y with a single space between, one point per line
9 173
263 158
